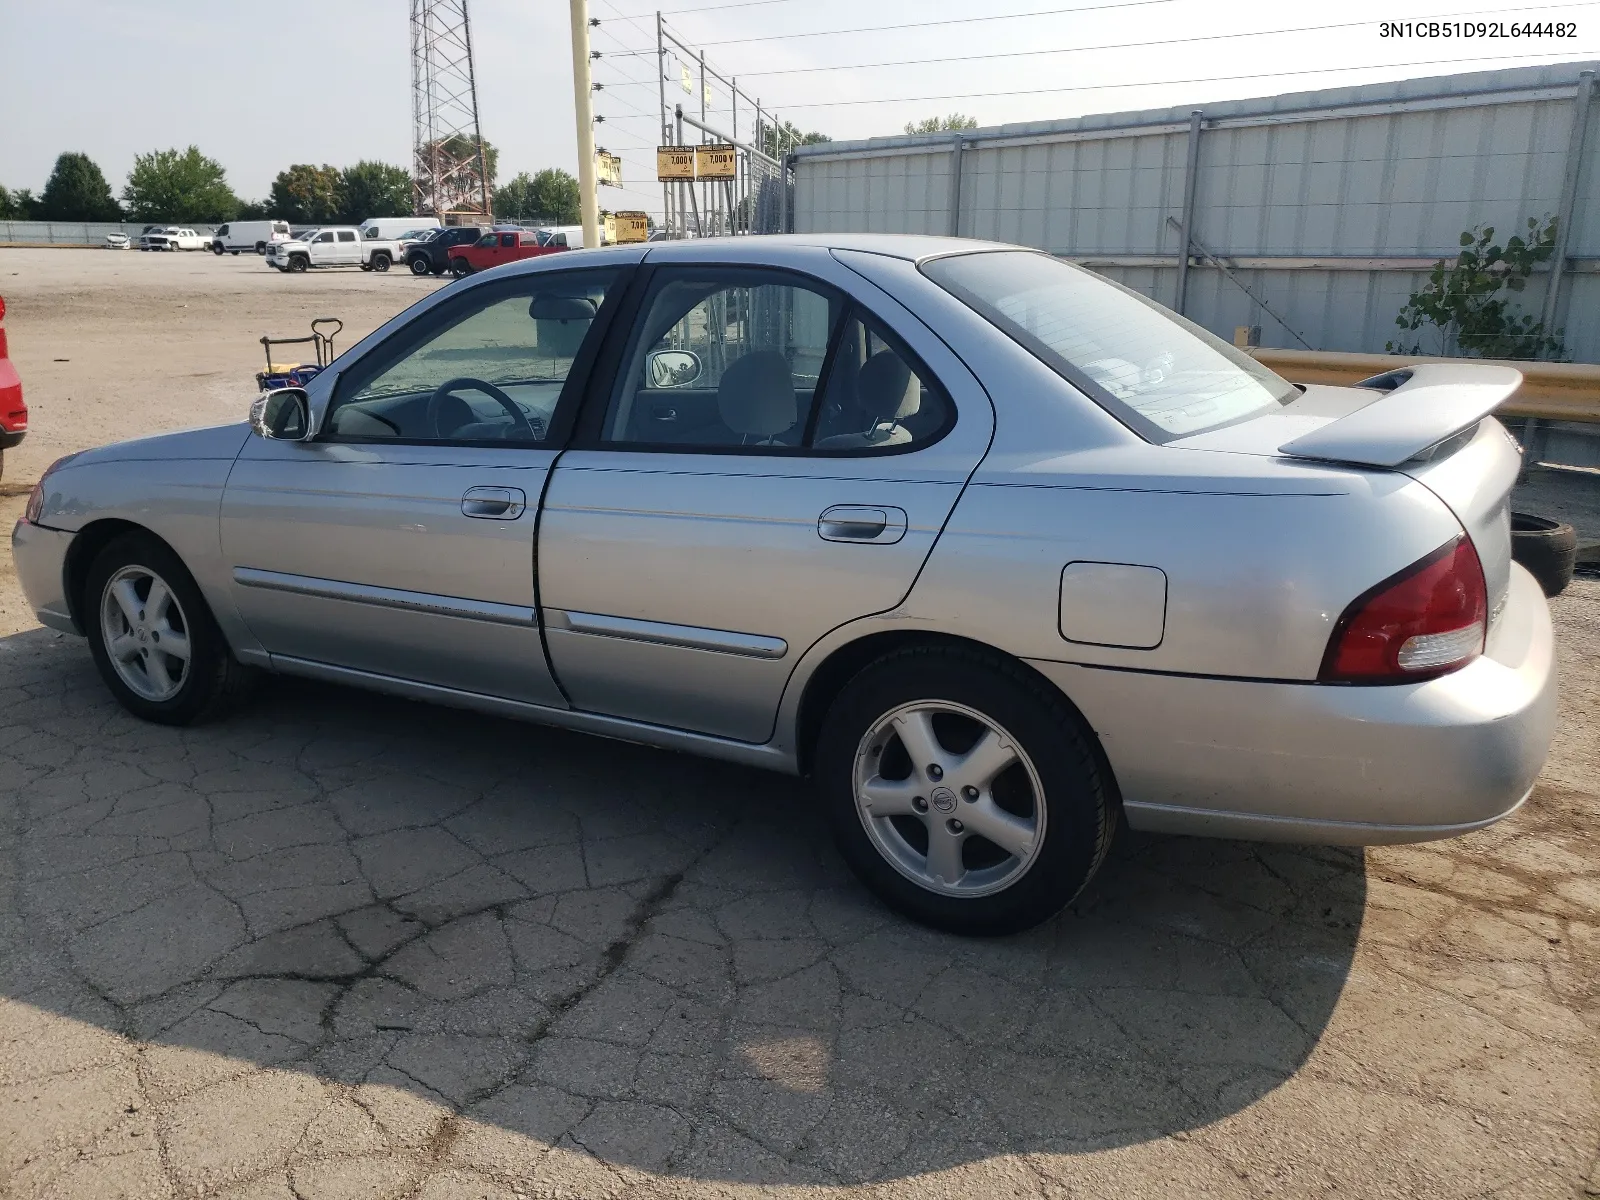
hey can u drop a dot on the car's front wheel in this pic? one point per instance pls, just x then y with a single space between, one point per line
459 267
963 791
153 639
298 262
418 264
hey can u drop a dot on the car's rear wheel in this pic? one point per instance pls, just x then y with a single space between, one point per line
380 262
154 640
963 791
261 248
235 253
459 267
418 264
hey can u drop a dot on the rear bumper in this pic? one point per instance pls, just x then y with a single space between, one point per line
40 556
1324 764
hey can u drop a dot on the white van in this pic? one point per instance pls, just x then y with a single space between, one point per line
393 227
570 236
255 236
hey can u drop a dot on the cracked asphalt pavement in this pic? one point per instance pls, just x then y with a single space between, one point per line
342 945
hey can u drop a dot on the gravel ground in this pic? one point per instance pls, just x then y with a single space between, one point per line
343 945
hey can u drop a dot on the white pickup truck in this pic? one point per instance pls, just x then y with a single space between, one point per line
172 237
333 246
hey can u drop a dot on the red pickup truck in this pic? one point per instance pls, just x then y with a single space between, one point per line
13 412
501 246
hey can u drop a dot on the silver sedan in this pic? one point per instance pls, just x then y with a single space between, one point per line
998 552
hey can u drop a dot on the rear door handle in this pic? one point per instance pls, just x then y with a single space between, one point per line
878 524
494 503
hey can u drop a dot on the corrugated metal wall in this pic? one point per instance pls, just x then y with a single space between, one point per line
1373 182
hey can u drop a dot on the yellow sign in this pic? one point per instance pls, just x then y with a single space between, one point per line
630 227
674 162
608 168
715 161
685 80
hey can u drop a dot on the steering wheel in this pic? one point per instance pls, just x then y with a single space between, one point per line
519 421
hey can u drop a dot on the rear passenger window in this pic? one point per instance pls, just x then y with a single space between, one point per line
723 359
875 397
347 235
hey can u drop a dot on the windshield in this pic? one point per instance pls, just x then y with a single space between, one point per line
1157 372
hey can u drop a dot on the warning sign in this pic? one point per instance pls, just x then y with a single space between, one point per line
674 162
716 161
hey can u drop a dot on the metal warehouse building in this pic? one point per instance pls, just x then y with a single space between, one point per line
1326 209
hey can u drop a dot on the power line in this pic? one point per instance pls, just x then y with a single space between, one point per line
1210 37
1051 12
1097 87
678 12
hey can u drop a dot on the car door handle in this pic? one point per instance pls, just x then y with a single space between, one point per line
494 503
862 523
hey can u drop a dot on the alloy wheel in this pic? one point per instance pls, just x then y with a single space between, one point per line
146 633
949 798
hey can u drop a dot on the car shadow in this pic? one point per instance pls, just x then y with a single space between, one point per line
490 938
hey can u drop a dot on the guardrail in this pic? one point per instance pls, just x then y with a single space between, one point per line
1549 391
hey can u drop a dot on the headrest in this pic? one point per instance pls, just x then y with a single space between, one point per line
546 307
756 395
887 389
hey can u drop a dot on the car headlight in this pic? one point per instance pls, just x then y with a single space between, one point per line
35 507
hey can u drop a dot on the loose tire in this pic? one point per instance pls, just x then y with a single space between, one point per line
154 640
1548 549
418 264
298 263
460 268
380 262
963 791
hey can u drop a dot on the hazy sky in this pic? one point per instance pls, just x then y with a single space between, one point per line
262 85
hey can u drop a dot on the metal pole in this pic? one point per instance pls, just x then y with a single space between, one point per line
583 102
661 115
683 185
955 185
1569 196
477 129
1186 226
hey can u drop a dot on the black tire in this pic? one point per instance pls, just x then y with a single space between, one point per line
298 262
1078 800
216 248
435 270
418 264
380 262
215 682
1548 549
235 253
460 268
261 249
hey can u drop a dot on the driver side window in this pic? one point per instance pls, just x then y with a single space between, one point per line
489 368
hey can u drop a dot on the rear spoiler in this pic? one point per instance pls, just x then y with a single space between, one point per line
1423 406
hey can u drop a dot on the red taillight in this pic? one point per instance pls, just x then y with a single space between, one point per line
1427 620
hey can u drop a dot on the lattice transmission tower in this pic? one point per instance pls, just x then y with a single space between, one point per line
449 175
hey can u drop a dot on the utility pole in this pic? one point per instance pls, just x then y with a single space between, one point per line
583 102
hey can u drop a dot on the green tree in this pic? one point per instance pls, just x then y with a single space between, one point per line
16 206
253 210
777 140
953 123
77 191
374 189
1464 301
178 185
308 195
551 195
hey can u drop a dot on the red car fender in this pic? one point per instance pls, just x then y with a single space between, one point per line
13 412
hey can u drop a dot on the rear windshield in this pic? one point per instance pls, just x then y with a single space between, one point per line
1155 371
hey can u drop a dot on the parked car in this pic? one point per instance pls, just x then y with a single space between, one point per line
333 246
117 241
496 248
173 237
396 228
13 412
568 237
997 551
431 255
254 236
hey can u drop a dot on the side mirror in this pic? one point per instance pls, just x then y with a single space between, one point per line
673 368
283 414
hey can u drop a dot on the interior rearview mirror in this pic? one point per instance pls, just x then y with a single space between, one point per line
673 368
283 414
